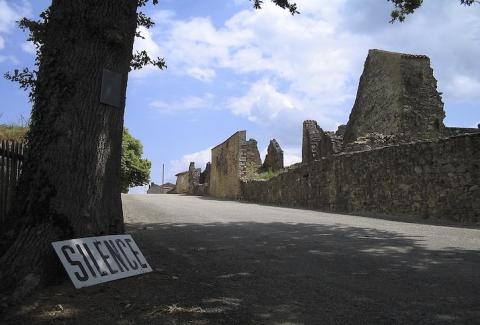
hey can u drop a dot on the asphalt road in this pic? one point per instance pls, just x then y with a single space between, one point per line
227 262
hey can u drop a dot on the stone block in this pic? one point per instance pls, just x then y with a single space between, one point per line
274 158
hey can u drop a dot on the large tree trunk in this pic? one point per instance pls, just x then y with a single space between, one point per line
71 180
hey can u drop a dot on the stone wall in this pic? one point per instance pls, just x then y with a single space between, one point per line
397 95
452 131
205 175
429 179
253 155
160 189
316 143
183 183
274 158
193 176
228 166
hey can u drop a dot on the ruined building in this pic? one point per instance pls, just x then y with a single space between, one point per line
274 158
235 160
393 157
397 95
316 143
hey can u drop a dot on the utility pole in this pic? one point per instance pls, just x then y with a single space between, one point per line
163 174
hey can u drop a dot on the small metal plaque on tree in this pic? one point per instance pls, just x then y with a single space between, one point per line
111 93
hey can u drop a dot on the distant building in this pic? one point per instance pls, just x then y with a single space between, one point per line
183 182
160 189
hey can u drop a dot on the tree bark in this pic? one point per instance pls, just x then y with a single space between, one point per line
70 186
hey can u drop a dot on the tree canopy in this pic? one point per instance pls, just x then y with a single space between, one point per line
135 171
407 7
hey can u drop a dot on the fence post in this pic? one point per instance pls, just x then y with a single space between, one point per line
11 163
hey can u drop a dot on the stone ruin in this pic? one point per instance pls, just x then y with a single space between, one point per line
393 157
193 181
397 95
234 160
274 158
397 102
253 155
205 175
316 143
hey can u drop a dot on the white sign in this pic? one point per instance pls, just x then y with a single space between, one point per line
93 260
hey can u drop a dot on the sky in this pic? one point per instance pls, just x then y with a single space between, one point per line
232 68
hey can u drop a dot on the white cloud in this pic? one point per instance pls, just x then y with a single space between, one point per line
263 103
240 2
306 63
463 87
28 47
292 156
315 59
186 104
200 159
163 16
146 43
151 47
11 58
204 74
9 14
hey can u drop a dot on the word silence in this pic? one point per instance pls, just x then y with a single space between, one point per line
93 260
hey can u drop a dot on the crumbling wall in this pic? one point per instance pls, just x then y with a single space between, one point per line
228 166
253 155
182 185
205 175
397 95
316 143
452 131
337 138
274 158
160 189
193 176
425 179
188 182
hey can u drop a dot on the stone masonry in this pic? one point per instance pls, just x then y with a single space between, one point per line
424 179
394 157
205 175
193 175
183 183
253 155
274 158
228 166
316 143
397 95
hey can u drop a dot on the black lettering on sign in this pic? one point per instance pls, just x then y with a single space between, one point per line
102 273
84 276
144 266
85 259
115 254
134 266
104 257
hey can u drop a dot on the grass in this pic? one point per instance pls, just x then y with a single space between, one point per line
266 175
252 172
12 132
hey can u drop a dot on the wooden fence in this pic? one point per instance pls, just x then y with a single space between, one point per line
11 160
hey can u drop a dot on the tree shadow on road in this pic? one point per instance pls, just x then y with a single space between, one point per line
274 273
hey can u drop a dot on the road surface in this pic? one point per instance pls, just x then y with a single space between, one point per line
241 263
222 262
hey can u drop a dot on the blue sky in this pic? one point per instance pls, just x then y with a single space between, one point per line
233 68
